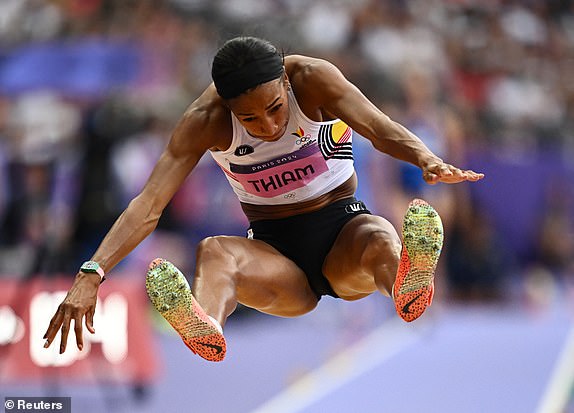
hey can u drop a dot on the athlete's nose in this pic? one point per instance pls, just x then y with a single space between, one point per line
268 127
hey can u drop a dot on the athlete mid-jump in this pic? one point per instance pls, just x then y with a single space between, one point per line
281 129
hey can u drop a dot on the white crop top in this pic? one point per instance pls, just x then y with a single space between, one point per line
309 160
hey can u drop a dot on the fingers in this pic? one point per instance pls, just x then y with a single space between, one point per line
437 172
446 170
449 174
430 178
473 176
65 331
79 302
467 175
90 321
62 320
54 326
78 332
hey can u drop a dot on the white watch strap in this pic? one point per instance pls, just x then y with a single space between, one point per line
100 271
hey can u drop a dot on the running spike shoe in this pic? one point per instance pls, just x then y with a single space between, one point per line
170 294
422 244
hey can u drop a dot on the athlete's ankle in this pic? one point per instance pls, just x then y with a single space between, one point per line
216 324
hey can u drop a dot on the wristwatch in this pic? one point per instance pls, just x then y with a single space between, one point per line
92 266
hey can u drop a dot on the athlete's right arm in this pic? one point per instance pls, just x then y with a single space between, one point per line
199 129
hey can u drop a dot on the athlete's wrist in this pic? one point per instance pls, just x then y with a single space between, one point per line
92 267
92 279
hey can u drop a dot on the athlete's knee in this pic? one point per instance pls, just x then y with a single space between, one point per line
295 307
303 309
211 246
380 244
216 267
215 249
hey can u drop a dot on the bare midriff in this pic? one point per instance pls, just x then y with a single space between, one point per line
259 212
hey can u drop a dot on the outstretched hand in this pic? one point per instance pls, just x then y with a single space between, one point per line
80 302
443 172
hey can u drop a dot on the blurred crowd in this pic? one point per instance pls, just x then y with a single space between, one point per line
91 89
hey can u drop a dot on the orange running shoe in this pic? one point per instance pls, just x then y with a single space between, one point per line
422 243
170 294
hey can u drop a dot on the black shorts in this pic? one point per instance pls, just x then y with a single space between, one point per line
306 239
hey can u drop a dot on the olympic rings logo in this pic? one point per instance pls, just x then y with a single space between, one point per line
303 139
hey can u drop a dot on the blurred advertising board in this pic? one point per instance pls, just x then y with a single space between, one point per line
121 350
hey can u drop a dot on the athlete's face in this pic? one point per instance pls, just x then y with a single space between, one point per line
264 110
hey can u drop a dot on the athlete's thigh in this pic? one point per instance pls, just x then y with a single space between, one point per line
362 246
267 280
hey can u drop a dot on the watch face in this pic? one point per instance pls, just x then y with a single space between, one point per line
90 266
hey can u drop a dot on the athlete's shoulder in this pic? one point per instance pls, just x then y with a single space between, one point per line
307 68
209 108
315 81
209 119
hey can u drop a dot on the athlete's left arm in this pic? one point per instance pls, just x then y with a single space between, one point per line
341 98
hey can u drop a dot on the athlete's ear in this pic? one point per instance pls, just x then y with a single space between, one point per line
286 79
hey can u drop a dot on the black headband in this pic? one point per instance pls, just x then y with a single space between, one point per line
250 75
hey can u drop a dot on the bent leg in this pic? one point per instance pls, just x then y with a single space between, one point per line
364 258
235 269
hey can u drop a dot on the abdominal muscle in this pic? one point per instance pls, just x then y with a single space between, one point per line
260 212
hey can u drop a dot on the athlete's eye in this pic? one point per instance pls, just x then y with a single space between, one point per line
250 119
275 108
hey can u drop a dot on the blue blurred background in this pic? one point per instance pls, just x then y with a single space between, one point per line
90 91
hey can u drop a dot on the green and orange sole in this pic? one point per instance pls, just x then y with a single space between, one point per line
171 296
422 233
